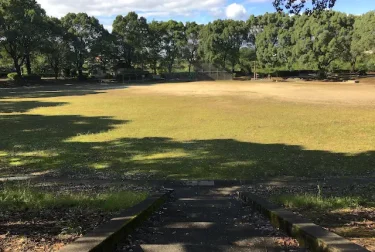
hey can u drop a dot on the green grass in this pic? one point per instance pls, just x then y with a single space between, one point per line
25 197
80 130
315 202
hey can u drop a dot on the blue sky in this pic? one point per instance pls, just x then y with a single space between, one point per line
201 11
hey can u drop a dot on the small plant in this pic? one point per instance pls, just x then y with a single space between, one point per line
14 76
318 202
319 195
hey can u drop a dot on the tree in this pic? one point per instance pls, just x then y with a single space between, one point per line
247 58
173 40
56 46
104 51
131 34
321 39
273 43
21 31
296 6
83 32
363 41
153 45
222 40
192 43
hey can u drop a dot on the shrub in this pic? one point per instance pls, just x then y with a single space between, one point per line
13 76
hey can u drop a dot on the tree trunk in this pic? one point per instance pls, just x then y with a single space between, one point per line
28 64
80 66
17 67
352 66
80 73
56 70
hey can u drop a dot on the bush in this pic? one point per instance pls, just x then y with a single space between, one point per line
13 76
32 77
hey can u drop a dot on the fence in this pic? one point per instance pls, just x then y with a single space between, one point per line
200 72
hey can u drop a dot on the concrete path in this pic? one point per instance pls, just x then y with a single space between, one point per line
207 218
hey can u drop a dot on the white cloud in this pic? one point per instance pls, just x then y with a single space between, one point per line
108 27
59 8
235 11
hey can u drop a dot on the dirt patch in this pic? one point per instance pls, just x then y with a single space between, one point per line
299 91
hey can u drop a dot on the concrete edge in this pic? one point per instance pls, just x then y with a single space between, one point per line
307 233
106 236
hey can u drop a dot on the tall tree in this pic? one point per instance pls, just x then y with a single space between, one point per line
192 43
83 32
222 40
320 39
22 29
131 34
173 40
56 46
274 42
153 45
104 51
363 41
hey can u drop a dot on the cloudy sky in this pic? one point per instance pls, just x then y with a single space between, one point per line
201 11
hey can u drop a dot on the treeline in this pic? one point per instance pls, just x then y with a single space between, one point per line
33 43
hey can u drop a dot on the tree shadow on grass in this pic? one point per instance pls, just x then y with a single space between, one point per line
54 91
36 143
25 106
33 143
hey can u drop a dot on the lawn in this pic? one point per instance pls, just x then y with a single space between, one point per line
186 131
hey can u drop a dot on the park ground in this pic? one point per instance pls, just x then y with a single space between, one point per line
244 131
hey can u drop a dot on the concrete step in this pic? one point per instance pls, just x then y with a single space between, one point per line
208 248
205 233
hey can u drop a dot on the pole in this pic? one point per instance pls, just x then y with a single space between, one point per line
256 76
254 71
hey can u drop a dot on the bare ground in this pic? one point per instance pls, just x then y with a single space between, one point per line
299 91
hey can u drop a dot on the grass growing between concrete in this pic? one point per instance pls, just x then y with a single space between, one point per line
22 197
315 202
350 215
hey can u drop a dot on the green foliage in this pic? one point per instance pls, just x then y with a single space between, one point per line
247 58
320 39
83 32
131 33
154 45
21 30
173 40
274 42
363 42
295 7
318 202
221 41
23 196
13 76
190 50
324 41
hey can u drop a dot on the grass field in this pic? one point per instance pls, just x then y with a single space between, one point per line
203 130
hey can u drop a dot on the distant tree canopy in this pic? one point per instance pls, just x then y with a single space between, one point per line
76 44
296 6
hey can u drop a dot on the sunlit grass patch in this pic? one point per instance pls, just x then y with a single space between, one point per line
23 196
319 202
